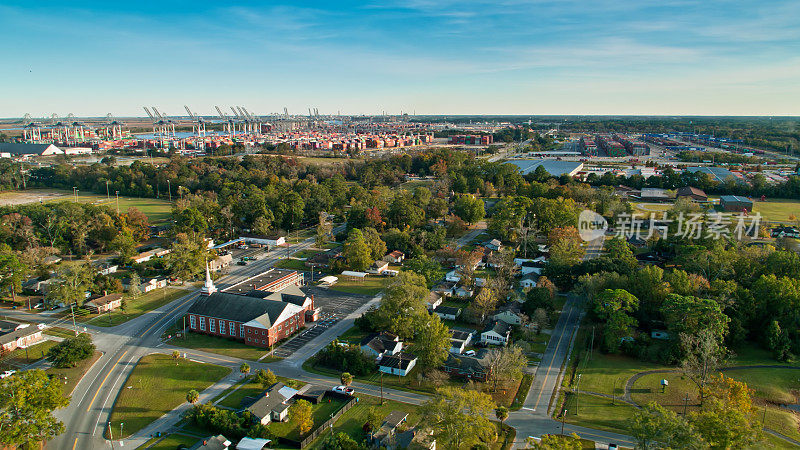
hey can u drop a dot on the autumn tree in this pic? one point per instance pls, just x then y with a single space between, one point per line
300 413
729 420
485 302
193 397
73 282
655 427
556 442
506 363
346 378
27 402
460 418
188 257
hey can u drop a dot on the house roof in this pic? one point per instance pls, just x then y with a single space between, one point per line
241 308
104 300
459 335
689 190
398 361
396 254
498 327
218 442
23 149
448 310
466 364
735 198
12 336
252 444
394 419
270 400
380 342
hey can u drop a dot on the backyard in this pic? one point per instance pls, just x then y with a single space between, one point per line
157 385
321 412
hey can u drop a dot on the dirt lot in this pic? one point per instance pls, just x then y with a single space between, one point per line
33 195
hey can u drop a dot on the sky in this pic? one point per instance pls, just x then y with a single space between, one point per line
521 57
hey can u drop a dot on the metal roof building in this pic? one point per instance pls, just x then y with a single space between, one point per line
554 168
9 149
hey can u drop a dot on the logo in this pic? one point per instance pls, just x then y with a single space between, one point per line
591 225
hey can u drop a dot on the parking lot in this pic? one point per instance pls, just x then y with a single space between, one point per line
333 307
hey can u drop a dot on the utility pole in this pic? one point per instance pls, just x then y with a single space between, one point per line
184 326
108 195
577 394
381 388
685 404
72 309
169 189
111 436
117 202
563 416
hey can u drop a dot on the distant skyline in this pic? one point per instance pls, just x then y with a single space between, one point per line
512 57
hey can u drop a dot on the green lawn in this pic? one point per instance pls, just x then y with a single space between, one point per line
597 412
607 374
294 264
171 442
777 210
156 210
32 354
135 308
219 345
522 392
157 385
74 374
321 412
306 253
354 335
370 285
59 332
250 388
352 421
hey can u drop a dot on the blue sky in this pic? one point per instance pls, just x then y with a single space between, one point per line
664 57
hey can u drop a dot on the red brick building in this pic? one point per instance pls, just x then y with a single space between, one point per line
105 303
257 318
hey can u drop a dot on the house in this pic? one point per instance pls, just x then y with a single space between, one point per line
735 203
528 281
397 364
256 321
692 193
384 437
378 267
311 394
253 444
509 313
395 257
494 245
273 404
447 312
790 232
106 268
469 367
452 277
323 259
497 333
480 282
328 280
105 303
143 257
13 150
220 262
380 344
433 300
151 284
218 442
463 292
445 288
414 439
528 267
21 336
459 340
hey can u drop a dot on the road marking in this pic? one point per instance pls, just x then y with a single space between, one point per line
110 391
74 443
552 360
103 382
209 357
164 316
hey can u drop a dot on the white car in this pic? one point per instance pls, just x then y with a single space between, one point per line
344 390
7 373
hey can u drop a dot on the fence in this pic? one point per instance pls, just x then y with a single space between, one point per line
321 429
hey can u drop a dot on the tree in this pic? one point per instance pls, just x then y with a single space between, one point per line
124 245
12 271
342 441
703 355
555 441
176 356
613 306
506 363
373 240
778 342
459 418
502 414
730 419
402 308
431 342
469 208
300 413
192 397
690 315
70 351
74 281
356 251
244 369
134 288
565 246
346 378
374 420
655 427
27 401
266 377
425 266
188 257
324 230
485 302
263 224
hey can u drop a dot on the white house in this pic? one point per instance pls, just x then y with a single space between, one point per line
398 364
452 276
527 268
463 292
447 312
433 300
494 244
272 405
270 241
459 340
395 257
378 267
528 282
496 333
381 344
509 313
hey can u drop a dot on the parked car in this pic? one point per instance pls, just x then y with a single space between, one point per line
344 390
7 373
242 263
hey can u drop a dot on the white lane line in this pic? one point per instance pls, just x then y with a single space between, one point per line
103 406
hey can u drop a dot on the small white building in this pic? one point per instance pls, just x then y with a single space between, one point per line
447 312
460 340
378 267
433 300
395 257
452 276
397 364
528 282
496 333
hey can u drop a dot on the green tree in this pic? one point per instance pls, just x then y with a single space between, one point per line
469 208
373 240
702 356
555 441
188 257
356 251
431 342
193 397
425 266
690 315
374 420
502 414
655 427
70 351
27 401
244 369
266 377
402 308
778 342
12 271
342 441
460 418
324 230
134 288
300 413
346 378
73 282
124 245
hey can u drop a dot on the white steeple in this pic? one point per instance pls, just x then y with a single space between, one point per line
208 288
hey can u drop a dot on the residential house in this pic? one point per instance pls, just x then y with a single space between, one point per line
414 439
397 364
256 321
378 267
218 442
494 245
433 300
273 404
463 292
253 444
528 267
15 335
528 281
469 367
106 268
105 303
452 276
395 257
380 344
445 288
509 313
497 333
447 312
692 193
384 437
460 340
143 257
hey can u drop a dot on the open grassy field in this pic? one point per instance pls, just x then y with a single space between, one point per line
778 210
156 210
290 263
135 308
158 384
607 374
597 412
369 285
250 388
218 345
74 374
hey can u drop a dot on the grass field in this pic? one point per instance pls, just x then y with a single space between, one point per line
218 345
250 388
59 332
597 412
156 210
369 285
321 412
170 442
289 263
32 354
74 374
135 308
158 385
778 210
